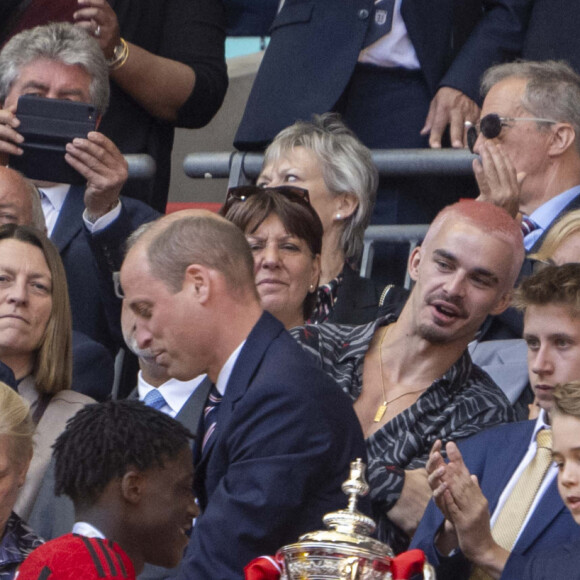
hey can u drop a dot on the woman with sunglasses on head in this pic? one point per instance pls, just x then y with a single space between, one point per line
324 157
285 235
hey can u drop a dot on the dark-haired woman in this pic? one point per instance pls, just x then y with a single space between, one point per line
285 236
324 157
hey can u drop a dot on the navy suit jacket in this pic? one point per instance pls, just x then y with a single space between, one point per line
315 45
573 205
560 563
93 367
553 32
510 323
249 17
89 261
284 439
7 376
493 456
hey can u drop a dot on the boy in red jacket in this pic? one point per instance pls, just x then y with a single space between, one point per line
129 472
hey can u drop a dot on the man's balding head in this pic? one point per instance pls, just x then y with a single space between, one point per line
188 279
196 237
19 201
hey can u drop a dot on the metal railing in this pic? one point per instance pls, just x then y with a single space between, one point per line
398 234
141 166
243 168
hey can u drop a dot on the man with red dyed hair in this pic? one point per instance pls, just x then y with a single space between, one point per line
410 377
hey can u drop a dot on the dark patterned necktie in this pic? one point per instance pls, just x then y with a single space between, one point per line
528 225
210 415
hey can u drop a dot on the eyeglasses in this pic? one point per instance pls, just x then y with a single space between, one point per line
244 192
117 285
490 126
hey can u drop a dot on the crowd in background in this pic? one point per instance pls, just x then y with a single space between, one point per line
228 368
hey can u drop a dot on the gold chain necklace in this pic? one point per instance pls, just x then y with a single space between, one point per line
383 406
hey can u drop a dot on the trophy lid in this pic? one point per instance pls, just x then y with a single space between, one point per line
348 530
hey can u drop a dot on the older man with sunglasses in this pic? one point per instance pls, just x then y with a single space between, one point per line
528 143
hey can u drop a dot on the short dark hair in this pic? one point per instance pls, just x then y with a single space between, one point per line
103 441
298 219
558 285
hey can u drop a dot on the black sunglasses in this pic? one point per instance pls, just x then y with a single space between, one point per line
491 125
243 192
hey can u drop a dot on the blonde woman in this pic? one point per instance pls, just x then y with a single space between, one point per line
35 342
562 242
16 431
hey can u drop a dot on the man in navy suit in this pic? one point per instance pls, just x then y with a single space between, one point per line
279 434
319 48
88 224
553 32
529 158
182 400
457 530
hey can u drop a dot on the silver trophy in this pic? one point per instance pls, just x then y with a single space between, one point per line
345 550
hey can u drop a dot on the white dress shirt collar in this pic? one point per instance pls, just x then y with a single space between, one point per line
545 215
176 393
52 199
227 369
88 530
542 422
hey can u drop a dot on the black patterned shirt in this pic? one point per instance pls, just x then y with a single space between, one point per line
17 542
462 402
326 297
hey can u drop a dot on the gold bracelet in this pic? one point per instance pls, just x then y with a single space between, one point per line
120 56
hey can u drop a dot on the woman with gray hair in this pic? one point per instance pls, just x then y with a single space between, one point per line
325 157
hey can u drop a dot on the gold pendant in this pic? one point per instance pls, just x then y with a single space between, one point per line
380 412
